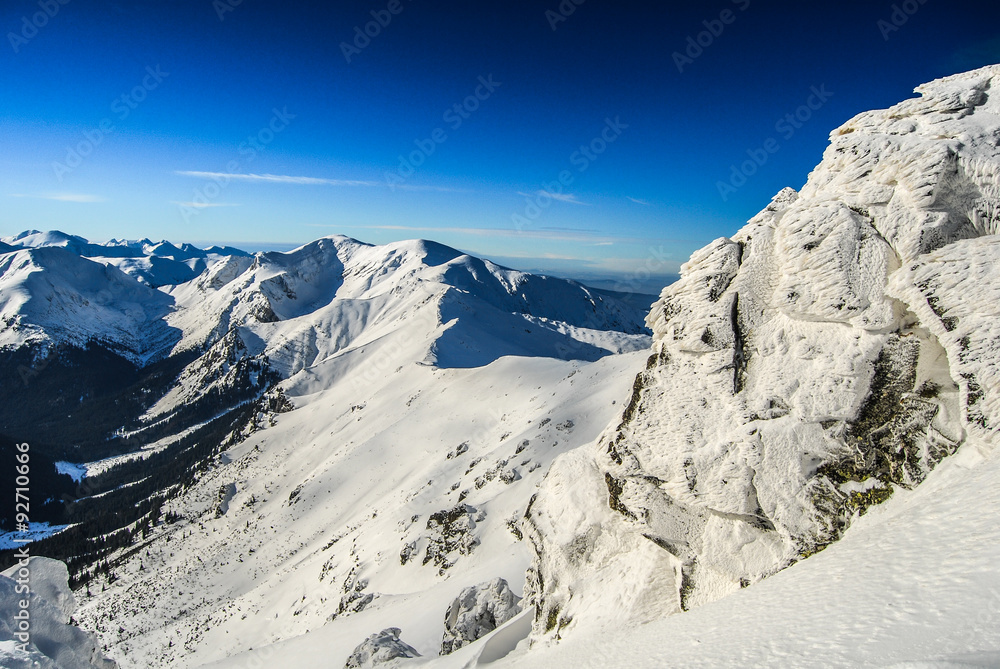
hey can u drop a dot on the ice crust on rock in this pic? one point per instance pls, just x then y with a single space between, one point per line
379 649
836 348
54 642
477 611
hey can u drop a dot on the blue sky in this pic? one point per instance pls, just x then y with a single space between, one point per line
554 136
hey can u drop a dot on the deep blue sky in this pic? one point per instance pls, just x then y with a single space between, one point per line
654 187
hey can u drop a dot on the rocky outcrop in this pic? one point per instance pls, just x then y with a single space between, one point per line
379 649
834 350
41 634
477 611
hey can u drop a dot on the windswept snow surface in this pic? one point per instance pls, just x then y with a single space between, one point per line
372 505
432 390
914 583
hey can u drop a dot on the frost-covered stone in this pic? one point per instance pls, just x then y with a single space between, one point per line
837 347
380 648
52 643
50 581
477 611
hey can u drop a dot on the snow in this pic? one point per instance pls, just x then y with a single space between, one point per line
913 584
366 455
36 532
75 471
823 359
52 642
51 294
307 521
476 612
380 648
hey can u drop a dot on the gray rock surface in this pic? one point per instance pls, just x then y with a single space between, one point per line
380 648
477 611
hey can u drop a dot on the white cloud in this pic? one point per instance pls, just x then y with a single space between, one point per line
81 198
307 181
638 201
276 178
206 205
561 197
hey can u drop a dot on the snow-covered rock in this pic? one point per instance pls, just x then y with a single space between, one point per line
379 649
41 635
50 581
830 353
477 611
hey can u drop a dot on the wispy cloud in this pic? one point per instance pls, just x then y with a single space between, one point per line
206 205
81 198
638 201
569 198
276 178
307 181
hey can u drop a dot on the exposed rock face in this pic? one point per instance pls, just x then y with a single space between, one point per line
379 649
451 533
839 346
43 636
476 612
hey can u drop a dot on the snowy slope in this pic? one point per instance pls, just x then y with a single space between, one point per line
912 585
818 363
51 295
328 523
152 263
335 295
432 391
